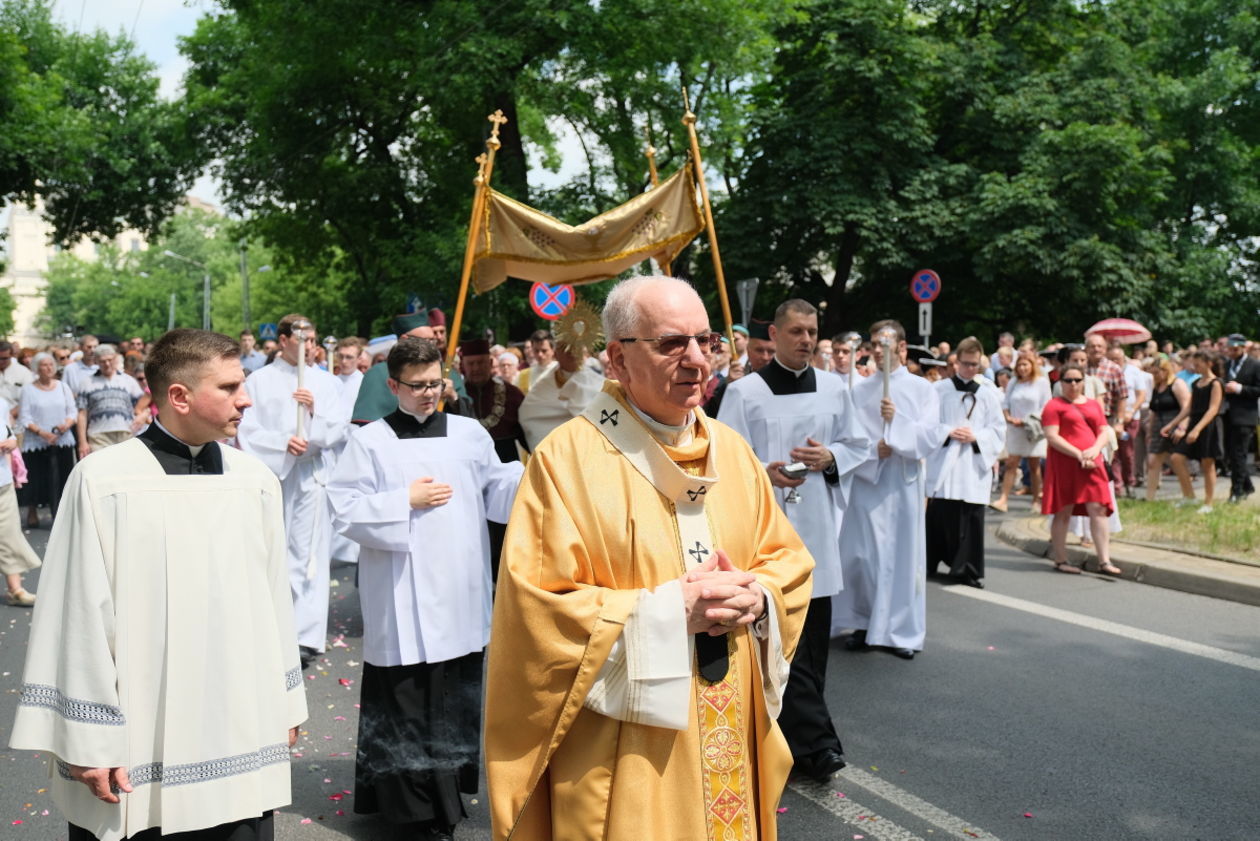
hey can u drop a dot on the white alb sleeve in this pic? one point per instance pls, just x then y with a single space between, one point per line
647 676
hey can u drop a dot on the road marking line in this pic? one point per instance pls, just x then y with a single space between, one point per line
1221 655
880 827
854 814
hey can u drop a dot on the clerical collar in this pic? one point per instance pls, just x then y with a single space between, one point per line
783 380
195 449
407 425
674 436
178 458
798 372
970 386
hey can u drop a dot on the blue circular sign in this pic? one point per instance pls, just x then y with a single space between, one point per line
925 286
551 302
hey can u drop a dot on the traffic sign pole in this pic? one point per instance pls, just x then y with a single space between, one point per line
925 286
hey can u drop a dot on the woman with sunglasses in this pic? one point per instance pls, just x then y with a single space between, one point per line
1076 475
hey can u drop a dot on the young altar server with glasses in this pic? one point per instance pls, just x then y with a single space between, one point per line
414 490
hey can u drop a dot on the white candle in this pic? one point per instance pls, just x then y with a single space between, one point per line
299 333
888 352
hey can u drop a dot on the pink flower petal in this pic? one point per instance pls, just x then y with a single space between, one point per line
305 820
1028 814
781 809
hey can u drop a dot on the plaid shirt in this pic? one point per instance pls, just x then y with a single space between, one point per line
1116 390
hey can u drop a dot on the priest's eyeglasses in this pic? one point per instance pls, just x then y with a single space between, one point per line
676 344
420 388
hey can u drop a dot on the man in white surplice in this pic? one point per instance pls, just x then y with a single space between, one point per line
414 490
303 463
348 374
167 549
882 536
972 431
791 412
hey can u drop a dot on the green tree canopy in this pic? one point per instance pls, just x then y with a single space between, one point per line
346 131
1055 162
82 126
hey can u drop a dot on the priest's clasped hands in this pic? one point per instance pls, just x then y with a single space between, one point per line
719 598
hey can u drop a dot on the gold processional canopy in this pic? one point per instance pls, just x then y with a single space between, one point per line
515 240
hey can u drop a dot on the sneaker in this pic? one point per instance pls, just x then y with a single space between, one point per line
1206 509
21 598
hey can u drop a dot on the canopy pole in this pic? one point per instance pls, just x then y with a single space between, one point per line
485 166
650 153
689 120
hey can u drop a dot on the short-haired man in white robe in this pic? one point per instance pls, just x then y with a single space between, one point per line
414 490
303 459
882 536
794 414
168 548
972 431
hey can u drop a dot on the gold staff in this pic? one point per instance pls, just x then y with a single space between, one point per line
485 165
650 153
689 120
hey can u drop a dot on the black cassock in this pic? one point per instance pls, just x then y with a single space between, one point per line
419 724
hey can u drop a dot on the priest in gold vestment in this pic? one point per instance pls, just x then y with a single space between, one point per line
650 598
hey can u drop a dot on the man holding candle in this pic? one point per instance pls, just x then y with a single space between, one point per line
882 539
295 427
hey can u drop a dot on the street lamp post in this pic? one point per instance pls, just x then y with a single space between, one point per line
245 313
205 286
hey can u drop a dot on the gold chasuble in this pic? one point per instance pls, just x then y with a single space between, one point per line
602 519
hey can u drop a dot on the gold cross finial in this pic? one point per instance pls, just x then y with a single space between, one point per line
688 117
498 119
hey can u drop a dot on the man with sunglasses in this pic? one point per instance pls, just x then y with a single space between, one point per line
793 413
414 490
303 460
651 595
972 430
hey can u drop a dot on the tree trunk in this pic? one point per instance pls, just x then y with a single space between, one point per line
836 319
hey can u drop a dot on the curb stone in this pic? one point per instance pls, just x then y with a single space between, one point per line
1157 567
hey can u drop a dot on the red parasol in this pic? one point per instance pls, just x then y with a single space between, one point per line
1123 330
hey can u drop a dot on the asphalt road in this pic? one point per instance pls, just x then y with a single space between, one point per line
1045 707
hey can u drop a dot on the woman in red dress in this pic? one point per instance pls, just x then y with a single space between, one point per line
1076 475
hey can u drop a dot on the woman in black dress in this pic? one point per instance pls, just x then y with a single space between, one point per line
1202 439
1171 395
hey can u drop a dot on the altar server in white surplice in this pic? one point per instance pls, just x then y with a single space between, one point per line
162 675
791 412
882 537
414 490
348 374
303 463
972 432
